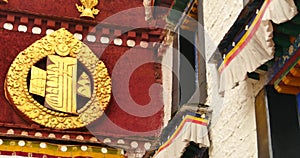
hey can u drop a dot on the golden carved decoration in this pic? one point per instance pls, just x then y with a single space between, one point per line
84 85
87 9
61 43
6 1
38 81
61 83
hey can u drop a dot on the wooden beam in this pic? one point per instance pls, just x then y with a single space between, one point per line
287 89
291 80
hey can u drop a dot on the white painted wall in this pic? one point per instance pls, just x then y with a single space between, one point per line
233 133
167 64
233 127
219 16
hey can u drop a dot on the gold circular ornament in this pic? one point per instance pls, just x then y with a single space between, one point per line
59 43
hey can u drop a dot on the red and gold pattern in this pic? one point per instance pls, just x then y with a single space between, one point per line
59 42
25 148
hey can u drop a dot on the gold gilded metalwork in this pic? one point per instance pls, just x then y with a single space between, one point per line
60 43
84 85
87 9
37 81
61 83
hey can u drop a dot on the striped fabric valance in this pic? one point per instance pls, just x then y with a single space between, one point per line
191 128
255 45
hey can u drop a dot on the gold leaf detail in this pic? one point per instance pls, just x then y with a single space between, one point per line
60 42
87 9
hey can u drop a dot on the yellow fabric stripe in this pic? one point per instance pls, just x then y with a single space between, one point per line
242 40
180 126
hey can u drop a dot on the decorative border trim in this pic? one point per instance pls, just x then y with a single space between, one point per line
106 34
45 149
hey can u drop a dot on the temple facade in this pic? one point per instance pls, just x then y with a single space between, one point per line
76 77
251 63
255 67
151 78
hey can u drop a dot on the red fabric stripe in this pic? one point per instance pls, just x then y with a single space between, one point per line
247 39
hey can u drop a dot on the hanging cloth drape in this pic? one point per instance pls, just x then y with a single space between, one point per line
256 45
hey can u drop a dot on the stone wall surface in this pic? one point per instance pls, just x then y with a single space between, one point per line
219 16
233 133
233 127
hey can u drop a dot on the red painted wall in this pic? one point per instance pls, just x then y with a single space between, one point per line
67 9
117 121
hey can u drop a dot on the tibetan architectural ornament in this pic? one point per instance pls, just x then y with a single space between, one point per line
87 9
58 82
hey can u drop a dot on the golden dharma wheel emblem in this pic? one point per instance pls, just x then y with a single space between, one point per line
58 82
